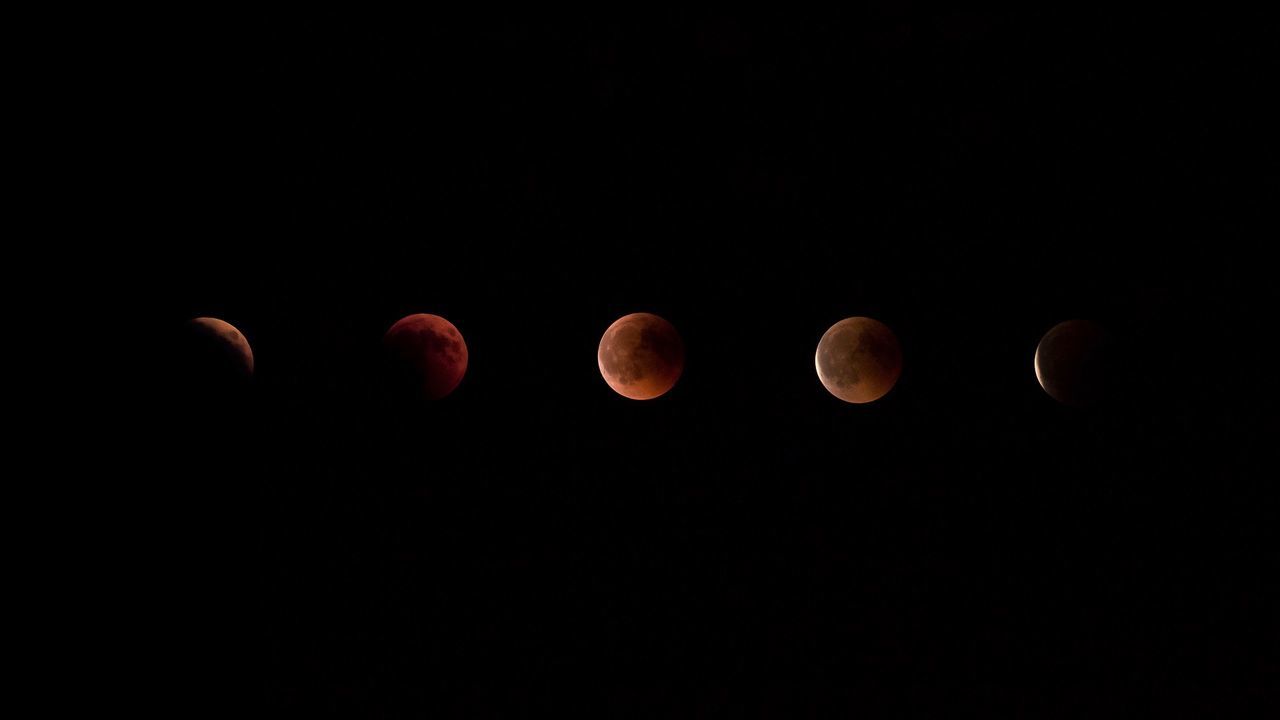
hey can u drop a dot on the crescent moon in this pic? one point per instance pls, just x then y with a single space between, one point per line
231 343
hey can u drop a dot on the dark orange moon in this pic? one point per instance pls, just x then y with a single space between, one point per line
858 360
222 345
1072 363
641 356
429 352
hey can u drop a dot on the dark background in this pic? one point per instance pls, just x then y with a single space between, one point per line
747 545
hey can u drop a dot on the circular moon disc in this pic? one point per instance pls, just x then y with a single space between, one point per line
1071 362
858 359
223 348
428 351
641 356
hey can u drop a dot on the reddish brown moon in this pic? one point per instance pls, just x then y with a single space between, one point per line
429 352
859 360
641 356
223 344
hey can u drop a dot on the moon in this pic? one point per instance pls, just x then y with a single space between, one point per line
858 359
428 352
641 356
219 348
1072 363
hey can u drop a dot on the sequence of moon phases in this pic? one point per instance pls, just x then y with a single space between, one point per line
428 353
218 349
641 356
1072 363
858 360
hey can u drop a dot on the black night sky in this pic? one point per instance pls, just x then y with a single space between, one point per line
746 545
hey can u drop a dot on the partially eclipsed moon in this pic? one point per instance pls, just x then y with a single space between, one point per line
1071 363
222 345
641 356
858 360
429 352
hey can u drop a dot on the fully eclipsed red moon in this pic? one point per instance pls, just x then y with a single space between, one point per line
428 351
859 360
641 356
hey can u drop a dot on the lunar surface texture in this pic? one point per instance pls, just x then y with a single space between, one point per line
641 356
428 352
859 360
